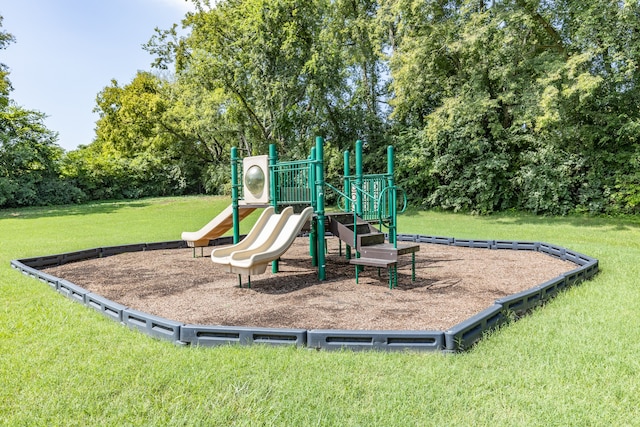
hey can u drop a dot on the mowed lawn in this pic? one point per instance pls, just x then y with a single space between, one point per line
575 361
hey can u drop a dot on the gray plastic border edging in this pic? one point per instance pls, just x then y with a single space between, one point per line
458 338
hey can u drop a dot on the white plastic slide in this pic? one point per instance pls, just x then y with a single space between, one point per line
215 228
268 223
255 260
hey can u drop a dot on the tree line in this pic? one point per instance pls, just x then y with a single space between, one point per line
492 105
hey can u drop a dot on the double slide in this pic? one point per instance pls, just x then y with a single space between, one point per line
270 237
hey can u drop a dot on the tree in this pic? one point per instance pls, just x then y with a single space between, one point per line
282 71
29 155
140 142
517 103
5 84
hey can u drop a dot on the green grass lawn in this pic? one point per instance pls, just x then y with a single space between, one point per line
573 362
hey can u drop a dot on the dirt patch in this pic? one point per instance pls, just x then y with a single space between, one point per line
452 284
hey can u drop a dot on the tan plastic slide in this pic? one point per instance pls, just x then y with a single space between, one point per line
215 228
268 222
255 260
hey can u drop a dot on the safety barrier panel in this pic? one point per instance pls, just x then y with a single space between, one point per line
210 336
330 339
404 237
479 244
516 246
554 251
465 334
50 280
111 309
550 288
574 277
459 338
521 302
25 269
42 261
577 258
154 326
173 244
435 240
72 291
590 269
120 249
80 255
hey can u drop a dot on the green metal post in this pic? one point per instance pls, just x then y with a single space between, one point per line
273 161
273 186
320 207
358 211
347 191
313 233
359 178
392 197
235 185
312 178
413 266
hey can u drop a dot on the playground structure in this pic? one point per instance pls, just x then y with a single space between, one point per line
266 182
377 200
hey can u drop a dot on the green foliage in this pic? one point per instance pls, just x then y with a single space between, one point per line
5 85
519 104
492 105
139 150
30 162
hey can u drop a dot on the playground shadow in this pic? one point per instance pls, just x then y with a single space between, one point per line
416 216
295 275
285 283
603 223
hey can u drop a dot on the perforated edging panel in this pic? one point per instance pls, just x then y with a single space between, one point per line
109 308
550 288
516 246
465 334
210 336
120 249
481 244
521 302
330 339
72 291
154 326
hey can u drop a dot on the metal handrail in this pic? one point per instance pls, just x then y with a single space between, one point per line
340 193
355 216
380 204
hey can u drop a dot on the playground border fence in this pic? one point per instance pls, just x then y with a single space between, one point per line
456 339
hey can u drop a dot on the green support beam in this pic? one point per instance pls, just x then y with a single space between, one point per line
320 207
235 186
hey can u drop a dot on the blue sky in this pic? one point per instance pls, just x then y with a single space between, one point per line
66 51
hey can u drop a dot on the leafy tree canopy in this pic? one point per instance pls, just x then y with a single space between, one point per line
492 104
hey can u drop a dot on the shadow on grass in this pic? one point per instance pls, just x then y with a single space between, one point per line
102 207
618 222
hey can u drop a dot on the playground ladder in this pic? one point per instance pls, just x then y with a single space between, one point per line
369 242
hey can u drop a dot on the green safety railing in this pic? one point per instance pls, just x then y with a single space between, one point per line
382 203
240 178
293 181
372 187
